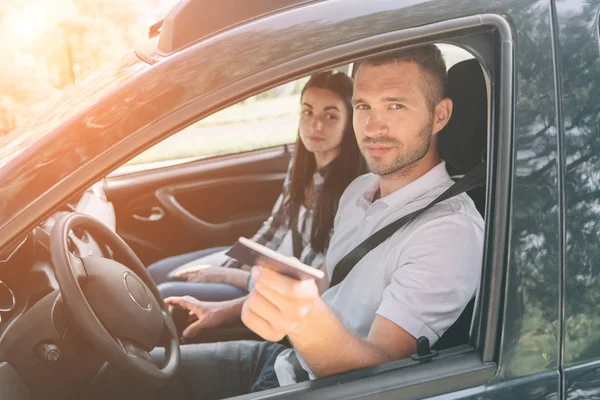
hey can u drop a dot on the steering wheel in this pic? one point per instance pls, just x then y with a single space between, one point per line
117 307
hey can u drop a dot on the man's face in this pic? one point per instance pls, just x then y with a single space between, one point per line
392 119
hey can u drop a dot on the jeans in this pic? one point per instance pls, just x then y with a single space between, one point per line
207 371
201 291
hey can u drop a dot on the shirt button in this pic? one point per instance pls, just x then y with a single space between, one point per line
369 219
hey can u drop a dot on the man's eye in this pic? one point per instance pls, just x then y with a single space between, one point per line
307 112
362 107
396 106
331 116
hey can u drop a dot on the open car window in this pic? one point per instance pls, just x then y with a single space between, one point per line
268 119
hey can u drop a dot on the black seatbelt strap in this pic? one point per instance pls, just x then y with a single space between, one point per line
296 238
474 178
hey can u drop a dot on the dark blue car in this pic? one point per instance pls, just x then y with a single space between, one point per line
527 102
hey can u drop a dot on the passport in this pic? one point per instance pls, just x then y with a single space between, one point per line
251 253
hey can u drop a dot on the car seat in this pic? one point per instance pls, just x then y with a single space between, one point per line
463 145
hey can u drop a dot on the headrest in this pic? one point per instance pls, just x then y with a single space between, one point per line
463 141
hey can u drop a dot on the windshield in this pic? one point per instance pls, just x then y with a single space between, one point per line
70 103
63 136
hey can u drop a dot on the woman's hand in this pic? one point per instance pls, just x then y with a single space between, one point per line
203 273
209 314
214 274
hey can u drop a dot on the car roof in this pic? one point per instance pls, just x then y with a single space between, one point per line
193 20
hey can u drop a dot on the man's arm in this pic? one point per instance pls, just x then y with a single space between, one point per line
426 294
329 348
326 345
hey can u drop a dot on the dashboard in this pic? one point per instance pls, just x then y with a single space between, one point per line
41 353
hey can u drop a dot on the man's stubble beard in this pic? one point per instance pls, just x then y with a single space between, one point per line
405 163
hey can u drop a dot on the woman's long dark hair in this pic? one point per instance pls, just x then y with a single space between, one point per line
340 172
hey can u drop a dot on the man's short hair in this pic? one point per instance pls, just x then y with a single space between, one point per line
431 61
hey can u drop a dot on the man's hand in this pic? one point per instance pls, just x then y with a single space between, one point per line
278 305
208 314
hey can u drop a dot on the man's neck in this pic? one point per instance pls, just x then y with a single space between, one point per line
390 183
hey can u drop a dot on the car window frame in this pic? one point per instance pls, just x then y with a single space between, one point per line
598 29
126 169
404 377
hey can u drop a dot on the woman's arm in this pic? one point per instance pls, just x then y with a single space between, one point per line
214 274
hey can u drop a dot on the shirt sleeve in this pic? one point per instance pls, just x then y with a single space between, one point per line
437 275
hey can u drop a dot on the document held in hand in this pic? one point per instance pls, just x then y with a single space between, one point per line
251 253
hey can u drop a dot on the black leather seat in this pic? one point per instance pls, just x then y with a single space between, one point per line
463 142
463 145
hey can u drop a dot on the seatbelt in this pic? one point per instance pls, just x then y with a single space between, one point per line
296 238
474 178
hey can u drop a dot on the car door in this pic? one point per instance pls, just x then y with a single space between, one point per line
516 335
210 183
196 205
515 350
580 59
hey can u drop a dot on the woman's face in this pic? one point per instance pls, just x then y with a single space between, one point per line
322 122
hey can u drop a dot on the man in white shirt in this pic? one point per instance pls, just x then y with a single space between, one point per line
414 284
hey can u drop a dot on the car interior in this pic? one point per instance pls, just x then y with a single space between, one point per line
461 144
172 210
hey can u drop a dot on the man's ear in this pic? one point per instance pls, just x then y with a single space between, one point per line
442 114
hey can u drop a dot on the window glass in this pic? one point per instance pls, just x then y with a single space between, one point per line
453 54
265 120
580 65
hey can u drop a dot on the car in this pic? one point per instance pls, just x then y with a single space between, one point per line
527 96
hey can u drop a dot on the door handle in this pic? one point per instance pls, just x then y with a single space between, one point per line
156 214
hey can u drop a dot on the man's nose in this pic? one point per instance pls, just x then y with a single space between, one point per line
375 126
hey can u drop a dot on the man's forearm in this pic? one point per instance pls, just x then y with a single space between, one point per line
329 348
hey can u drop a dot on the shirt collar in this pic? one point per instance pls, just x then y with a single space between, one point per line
325 169
405 195
319 176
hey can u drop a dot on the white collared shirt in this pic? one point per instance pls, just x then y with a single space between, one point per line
421 278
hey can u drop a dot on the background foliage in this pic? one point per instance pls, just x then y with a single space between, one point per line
48 45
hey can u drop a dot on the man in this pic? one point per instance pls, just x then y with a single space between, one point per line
414 284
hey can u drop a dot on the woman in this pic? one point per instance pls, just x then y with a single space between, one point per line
326 160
